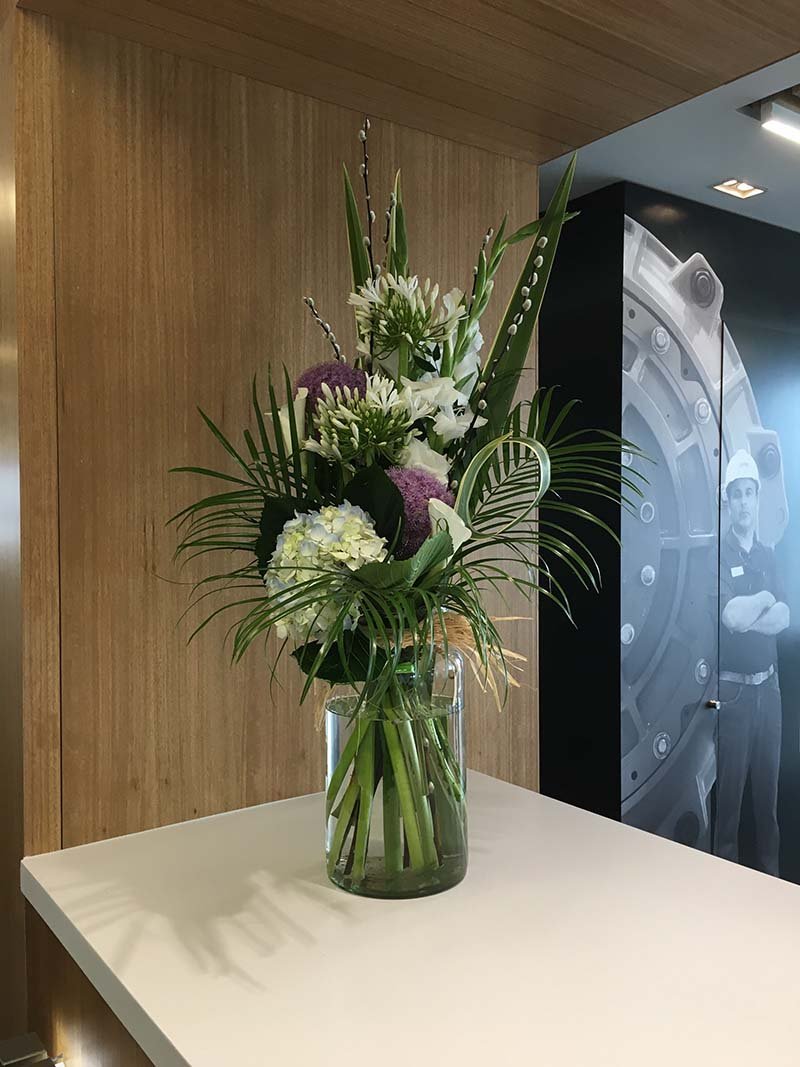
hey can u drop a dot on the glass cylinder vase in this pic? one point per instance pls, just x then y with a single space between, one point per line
396 782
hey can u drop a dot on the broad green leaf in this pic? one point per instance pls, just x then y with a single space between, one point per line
405 573
507 358
359 260
397 247
374 491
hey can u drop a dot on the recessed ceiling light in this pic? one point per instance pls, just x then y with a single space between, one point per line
781 119
739 188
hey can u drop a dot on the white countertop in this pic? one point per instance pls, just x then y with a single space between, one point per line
573 942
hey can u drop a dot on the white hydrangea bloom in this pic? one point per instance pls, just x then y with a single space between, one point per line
331 539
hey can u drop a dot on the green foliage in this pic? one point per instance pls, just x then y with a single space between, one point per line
374 491
532 490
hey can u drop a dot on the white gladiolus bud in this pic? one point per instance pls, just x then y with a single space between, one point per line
526 306
366 242
362 135
512 329
538 261
372 216
542 242
524 290
534 278
481 405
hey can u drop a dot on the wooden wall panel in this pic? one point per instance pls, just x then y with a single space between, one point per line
67 1012
193 209
12 992
530 78
38 387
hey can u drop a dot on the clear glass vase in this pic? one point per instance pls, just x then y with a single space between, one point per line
396 783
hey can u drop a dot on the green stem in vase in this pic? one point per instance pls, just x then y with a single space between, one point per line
420 789
343 821
365 776
406 797
392 827
346 758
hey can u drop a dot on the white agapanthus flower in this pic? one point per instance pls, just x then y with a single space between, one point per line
348 426
420 454
392 310
334 538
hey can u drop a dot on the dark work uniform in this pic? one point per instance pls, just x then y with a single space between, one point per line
749 737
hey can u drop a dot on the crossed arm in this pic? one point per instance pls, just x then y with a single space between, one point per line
760 613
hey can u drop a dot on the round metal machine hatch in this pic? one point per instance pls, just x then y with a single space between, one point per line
674 350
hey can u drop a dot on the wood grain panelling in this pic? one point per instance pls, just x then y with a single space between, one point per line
526 77
41 665
67 1012
12 992
193 209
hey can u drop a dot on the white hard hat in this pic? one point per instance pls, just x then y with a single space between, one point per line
741 465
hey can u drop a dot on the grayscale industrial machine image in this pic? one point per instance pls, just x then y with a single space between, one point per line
688 403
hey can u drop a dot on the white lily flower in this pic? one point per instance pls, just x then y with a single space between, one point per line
284 423
451 425
443 517
429 394
469 365
420 454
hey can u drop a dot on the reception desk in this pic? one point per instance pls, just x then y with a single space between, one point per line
573 942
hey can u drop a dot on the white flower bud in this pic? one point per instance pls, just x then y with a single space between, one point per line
481 405
332 338
362 169
366 242
362 135
526 305
512 329
534 278
366 124
538 261
372 216
524 290
542 242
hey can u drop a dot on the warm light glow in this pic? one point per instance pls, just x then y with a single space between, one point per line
783 129
782 120
742 190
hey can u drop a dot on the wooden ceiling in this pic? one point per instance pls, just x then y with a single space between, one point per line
528 78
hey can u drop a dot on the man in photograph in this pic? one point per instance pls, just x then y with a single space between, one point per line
752 613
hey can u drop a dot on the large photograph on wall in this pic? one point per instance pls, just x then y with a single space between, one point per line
711 384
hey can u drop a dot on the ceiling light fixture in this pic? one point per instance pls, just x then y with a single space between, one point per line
742 190
781 118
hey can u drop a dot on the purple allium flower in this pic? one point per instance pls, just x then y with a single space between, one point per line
331 374
417 487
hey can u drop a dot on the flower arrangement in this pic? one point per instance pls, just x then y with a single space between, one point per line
373 508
